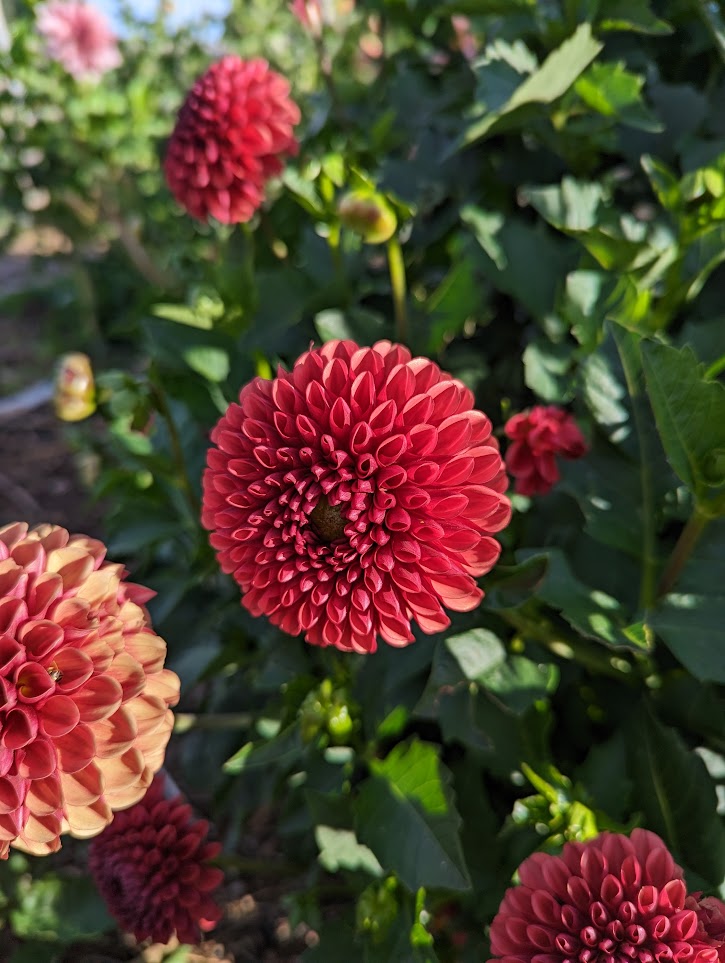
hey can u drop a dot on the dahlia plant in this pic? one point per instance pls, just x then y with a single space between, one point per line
390 334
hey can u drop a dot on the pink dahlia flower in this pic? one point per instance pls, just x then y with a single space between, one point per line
232 132
355 494
78 37
612 899
84 696
538 436
152 867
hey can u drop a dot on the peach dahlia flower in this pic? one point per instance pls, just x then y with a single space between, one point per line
84 696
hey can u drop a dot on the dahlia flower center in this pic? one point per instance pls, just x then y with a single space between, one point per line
328 520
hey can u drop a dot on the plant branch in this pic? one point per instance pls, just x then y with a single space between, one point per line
568 645
140 258
689 536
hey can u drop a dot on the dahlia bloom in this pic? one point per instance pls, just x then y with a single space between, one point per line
151 866
78 37
355 494
613 898
232 132
711 921
84 717
538 436
310 15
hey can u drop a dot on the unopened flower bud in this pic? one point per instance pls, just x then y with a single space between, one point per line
369 215
75 390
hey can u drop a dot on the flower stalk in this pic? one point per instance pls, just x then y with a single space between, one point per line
396 265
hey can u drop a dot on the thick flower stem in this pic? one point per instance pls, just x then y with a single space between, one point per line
689 537
398 284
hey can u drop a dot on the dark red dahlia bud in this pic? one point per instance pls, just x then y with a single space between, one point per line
538 436
232 133
356 494
151 865
610 898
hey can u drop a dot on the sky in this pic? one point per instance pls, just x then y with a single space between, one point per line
184 11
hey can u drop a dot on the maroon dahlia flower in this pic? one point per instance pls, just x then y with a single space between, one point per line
151 865
354 494
538 436
233 130
612 899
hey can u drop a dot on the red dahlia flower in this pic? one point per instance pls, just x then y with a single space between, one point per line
84 696
151 866
609 900
539 435
232 131
354 494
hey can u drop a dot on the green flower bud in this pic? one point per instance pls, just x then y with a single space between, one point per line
369 215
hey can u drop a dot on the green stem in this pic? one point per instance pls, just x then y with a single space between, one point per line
627 352
186 721
398 284
689 537
177 450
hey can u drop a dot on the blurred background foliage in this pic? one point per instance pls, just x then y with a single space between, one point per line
557 171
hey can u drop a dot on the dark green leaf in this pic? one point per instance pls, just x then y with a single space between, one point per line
690 415
553 78
406 814
691 617
674 791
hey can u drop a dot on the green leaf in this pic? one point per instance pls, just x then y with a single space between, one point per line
282 750
523 260
183 314
635 15
690 415
690 618
519 682
405 813
548 370
476 652
593 613
511 585
339 849
357 324
612 90
677 796
61 909
210 362
553 78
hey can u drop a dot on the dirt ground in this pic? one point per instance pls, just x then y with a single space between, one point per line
40 481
